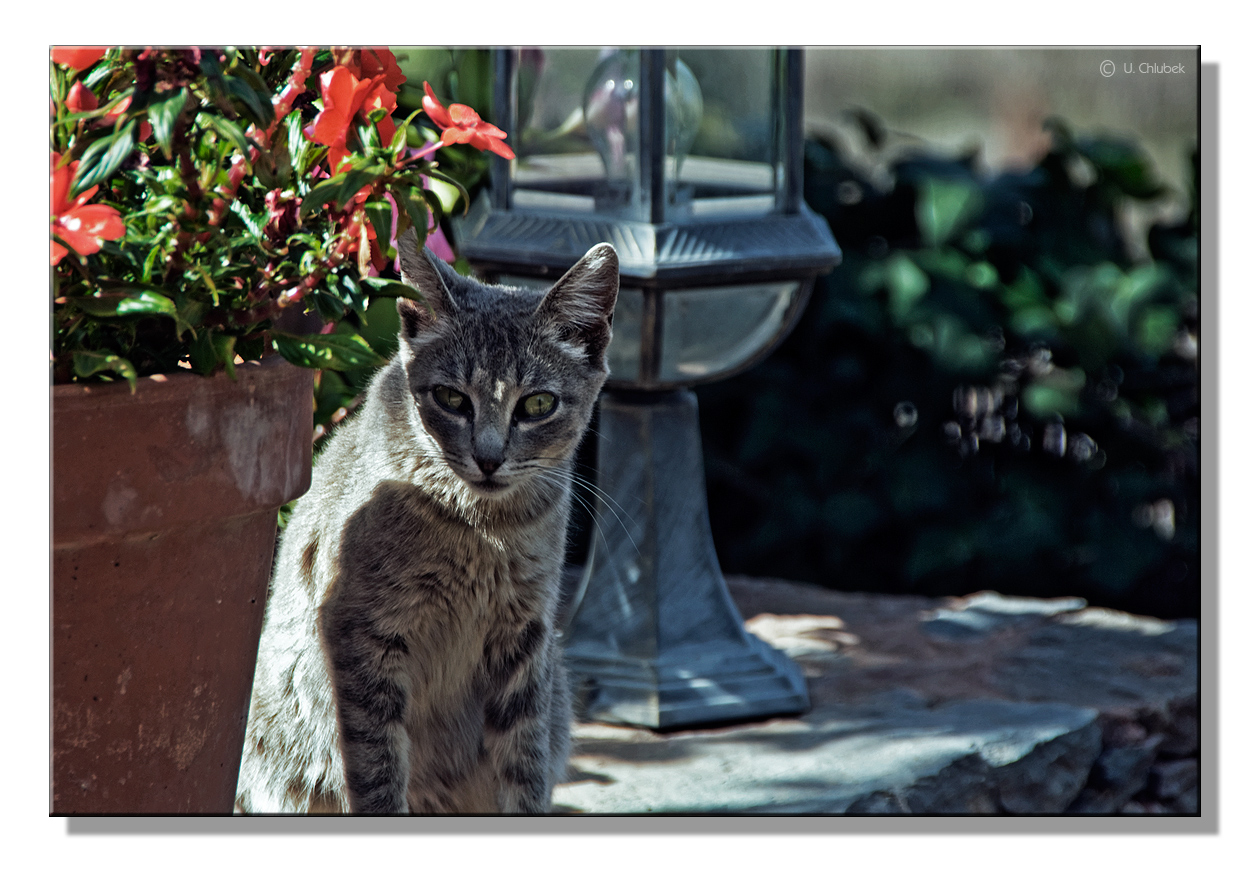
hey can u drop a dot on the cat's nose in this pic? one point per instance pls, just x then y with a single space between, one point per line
488 466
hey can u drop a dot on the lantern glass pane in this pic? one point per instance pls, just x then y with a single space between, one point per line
715 329
625 349
624 352
724 132
577 147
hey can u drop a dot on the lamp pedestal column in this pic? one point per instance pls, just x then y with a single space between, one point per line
655 640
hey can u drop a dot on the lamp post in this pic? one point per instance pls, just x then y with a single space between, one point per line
690 163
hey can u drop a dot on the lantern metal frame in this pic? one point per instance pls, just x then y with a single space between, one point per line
653 636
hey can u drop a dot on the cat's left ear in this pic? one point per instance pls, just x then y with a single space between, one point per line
579 307
430 275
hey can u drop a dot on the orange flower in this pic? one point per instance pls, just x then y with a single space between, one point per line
79 225
77 57
344 96
463 125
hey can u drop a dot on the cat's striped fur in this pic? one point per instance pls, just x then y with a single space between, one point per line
409 661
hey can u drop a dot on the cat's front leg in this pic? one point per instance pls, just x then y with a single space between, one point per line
371 691
516 722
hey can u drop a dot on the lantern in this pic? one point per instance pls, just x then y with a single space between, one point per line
689 161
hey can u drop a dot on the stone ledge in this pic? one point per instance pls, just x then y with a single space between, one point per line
982 704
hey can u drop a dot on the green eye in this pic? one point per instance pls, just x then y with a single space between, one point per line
535 406
450 399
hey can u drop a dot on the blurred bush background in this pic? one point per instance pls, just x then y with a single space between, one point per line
998 388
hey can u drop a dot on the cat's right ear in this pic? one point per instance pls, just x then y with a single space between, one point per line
428 274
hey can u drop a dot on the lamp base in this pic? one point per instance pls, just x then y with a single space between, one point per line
655 639
722 682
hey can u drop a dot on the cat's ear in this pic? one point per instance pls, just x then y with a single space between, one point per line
578 309
429 274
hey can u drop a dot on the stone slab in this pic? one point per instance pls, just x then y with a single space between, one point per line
892 755
982 704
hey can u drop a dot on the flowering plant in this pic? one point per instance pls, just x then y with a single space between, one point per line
203 199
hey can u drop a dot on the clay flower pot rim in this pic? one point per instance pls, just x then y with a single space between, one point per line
121 387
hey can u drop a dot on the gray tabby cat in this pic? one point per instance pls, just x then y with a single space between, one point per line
409 661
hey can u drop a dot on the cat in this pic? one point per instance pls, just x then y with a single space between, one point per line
408 660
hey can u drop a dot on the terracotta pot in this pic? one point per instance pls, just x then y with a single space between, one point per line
164 519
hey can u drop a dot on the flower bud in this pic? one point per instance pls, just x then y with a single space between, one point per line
81 99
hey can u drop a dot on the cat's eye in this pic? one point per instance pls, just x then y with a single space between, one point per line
451 400
535 406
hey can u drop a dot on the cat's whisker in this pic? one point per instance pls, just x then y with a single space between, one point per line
596 489
605 499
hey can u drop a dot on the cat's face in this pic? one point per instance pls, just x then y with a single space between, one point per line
505 379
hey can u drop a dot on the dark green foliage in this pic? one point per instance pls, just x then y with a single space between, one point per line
988 393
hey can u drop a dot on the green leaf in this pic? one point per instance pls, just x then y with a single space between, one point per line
211 349
354 180
326 299
104 157
147 302
387 287
400 143
1042 400
144 303
298 147
163 115
1058 392
418 210
380 216
368 133
231 131
334 351
258 85
320 195
255 222
223 345
257 109
1122 163
447 179
273 165
154 256
250 347
1156 330
943 206
209 64
202 354
906 281
88 363
190 313
122 304
352 294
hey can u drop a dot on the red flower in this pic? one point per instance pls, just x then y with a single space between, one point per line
77 57
344 96
380 63
81 99
462 124
80 226
283 210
